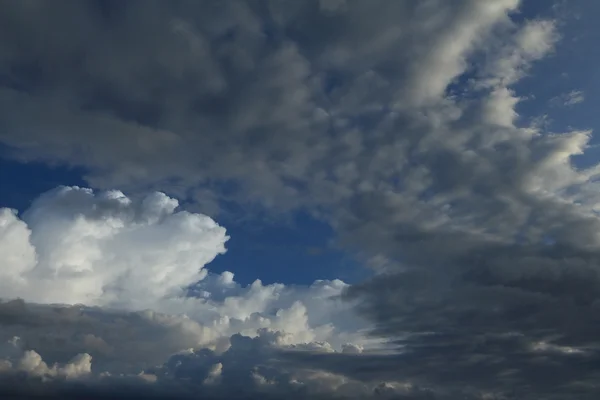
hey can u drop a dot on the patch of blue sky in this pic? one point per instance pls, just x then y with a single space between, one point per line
21 183
298 250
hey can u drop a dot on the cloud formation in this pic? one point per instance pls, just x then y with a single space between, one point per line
396 122
106 250
131 293
569 99
74 246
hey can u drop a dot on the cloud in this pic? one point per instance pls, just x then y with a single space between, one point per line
568 99
271 109
250 368
106 250
395 122
488 253
79 248
96 255
32 364
138 350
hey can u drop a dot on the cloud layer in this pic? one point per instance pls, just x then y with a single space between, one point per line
240 92
397 122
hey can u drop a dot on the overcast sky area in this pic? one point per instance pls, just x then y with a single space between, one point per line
299 199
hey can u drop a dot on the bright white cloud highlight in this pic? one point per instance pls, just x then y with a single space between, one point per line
14 357
74 246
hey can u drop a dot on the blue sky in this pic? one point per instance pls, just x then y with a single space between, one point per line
370 199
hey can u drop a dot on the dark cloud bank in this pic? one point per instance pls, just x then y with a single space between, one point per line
394 121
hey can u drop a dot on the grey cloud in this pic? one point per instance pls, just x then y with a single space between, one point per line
118 341
239 91
474 294
140 355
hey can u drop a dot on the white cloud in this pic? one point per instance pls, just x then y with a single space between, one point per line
18 255
510 59
106 249
574 97
568 99
31 362
75 246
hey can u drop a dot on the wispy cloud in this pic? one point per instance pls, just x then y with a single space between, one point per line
569 99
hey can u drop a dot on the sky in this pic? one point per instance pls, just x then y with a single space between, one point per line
317 199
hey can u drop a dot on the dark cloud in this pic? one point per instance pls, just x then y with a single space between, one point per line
191 93
135 355
119 342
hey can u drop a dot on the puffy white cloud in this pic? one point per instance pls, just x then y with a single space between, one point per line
106 249
31 362
18 255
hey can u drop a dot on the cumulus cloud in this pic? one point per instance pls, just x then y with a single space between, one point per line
250 368
132 292
147 352
76 247
395 122
14 358
270 107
